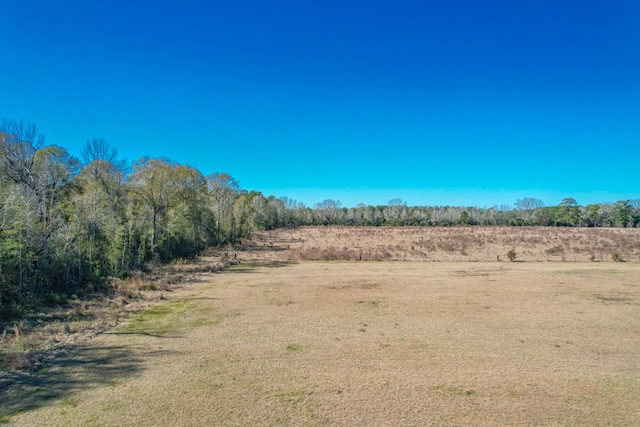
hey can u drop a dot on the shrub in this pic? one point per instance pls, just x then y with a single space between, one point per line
511 255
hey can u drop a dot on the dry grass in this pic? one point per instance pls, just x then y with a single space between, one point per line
448 244
361 343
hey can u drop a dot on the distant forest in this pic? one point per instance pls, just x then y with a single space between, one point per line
67 223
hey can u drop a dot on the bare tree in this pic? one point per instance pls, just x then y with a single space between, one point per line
44 171
529 208
18 146
290 209
528 203
396 202
394 210
331 210
101 162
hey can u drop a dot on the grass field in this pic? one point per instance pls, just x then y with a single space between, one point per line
471 244
360 343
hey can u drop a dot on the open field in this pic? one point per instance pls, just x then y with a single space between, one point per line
447 243
360 343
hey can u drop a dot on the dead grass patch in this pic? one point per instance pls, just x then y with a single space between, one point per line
532 244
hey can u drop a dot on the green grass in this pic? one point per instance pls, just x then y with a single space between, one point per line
69 402
169 317
288 394
159 319
294 347
172 317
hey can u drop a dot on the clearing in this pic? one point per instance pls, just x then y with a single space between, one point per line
360 343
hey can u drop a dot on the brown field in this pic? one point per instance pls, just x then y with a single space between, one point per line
447 243
279 340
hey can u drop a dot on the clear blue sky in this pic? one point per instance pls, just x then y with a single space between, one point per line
450 102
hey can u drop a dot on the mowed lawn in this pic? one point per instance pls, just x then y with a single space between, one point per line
362 343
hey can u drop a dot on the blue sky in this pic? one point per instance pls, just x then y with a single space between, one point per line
457 102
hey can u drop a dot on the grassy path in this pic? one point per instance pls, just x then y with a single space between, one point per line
375 343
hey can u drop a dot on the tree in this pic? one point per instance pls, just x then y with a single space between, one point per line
290 212
464 217
150 183
190 222
594 216
54 169
393 211
223 189
18 146
623 214
330 210
528 203
174 197
99 213
568 202
396 202
635 205
102 164
528 210
568 213
43 171
244 213
40 181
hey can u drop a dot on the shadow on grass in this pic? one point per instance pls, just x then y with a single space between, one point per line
146 334
265 247
66 374
201 298
252 266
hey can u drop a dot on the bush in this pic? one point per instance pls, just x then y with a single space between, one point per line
511 255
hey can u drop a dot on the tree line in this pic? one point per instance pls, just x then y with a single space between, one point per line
67 223
525 212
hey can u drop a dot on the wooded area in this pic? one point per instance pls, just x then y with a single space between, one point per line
67 223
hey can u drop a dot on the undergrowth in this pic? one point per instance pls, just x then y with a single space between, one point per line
65 320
